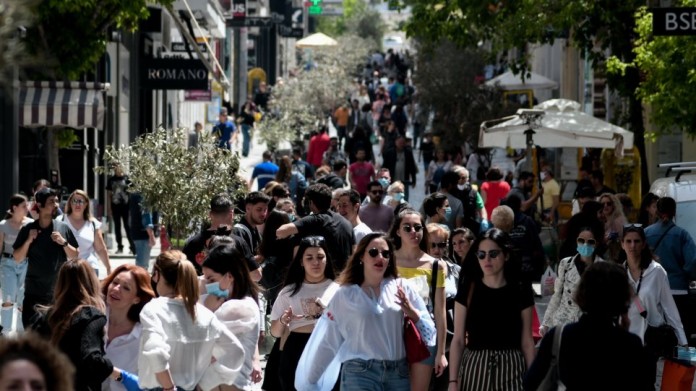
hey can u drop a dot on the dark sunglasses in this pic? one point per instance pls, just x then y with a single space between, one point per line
373 252
491 254
313 241
440 245
416 227
590 242
628 226
607 203
377 191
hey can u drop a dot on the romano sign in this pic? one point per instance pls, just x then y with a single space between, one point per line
173 74
674 21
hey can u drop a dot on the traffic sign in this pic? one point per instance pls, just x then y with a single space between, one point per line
251 21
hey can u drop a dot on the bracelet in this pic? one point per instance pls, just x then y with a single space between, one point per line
283 323
172 388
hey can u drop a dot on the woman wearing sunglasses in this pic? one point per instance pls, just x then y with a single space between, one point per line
562 307
363 326
87 230
412 242
653 304
307 289
614 219
493 316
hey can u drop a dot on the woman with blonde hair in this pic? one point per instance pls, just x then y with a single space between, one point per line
75 324
87 230
613 217
183 344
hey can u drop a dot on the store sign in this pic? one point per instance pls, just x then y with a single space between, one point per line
239 9
674 21
181 47
198 95
173 74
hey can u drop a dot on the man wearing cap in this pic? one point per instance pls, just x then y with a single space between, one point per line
225 130
47 244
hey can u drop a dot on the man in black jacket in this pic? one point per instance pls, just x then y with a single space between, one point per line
336 179
401 164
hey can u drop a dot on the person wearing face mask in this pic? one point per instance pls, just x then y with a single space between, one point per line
448 187
437 208
395 195
562 308
233 296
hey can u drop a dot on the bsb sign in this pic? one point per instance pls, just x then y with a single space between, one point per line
674 21
173 74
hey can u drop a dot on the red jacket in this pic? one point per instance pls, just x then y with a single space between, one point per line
317 146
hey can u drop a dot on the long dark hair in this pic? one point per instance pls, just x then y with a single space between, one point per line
646 255
643 215
275 219
225 258
468 235
604 290
396 239
512 265
354 273
296 273
15 200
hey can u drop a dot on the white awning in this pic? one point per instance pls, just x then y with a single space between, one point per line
68 104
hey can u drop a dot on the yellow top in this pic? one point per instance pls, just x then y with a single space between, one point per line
426 271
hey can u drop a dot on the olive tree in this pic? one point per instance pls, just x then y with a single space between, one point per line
175 180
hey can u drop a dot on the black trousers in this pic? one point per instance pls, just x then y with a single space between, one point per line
289 357
686 305
29 310
120 212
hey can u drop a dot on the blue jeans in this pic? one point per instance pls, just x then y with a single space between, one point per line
246 140
142 253
375 375
12 276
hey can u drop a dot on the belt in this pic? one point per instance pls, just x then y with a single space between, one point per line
7 255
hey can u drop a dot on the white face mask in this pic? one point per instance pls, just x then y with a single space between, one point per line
542 176
461 187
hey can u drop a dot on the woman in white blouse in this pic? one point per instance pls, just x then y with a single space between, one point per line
126 292
233 296
183 344
364 326
307 290
653 304
562 308
87 230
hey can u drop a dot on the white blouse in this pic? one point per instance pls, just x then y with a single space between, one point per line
241 317
172 340
85 240
656 298
304 302
358 326
123 353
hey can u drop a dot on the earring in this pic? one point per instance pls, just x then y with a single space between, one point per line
361 262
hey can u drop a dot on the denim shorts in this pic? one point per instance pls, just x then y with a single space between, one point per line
430 360
12 276
375 375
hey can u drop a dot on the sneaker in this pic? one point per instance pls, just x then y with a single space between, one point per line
119 250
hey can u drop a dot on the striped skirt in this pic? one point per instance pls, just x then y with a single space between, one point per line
492 370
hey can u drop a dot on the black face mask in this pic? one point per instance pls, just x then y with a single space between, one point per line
305 206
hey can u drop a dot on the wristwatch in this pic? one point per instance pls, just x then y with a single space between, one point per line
65 244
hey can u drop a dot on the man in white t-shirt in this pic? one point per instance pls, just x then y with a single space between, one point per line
348 206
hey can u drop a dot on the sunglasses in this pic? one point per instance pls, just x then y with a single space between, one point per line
377 192
491 254
607 203
373 252
313 241
629 226
416 227
78 202
590 242
440 245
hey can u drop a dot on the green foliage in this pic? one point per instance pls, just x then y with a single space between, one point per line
667 65
358 19
72 33
65 137
175 180
308 99
14 14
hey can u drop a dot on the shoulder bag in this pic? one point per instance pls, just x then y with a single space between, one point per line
552 380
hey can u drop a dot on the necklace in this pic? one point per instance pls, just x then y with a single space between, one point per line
306 281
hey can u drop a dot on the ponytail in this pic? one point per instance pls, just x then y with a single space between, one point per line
187 286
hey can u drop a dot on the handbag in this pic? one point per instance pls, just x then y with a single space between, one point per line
552 380
416 348
660 340
677 375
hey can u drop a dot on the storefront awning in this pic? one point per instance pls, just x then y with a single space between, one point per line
62 104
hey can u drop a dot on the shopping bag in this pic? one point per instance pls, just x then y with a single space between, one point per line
548 279
677 375
535 325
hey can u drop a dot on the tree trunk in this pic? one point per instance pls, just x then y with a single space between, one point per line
52 156
638 127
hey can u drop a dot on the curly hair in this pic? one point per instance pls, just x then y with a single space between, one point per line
55 366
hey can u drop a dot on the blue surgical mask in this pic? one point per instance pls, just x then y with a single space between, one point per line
384 182
291 217
585 250
398 196
214 289
448 212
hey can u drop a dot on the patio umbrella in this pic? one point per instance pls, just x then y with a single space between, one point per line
316 40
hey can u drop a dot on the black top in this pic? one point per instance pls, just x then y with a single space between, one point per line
195 246
246 118
335 229
333 181
45 256
494 320
250 234
527 247
390 158
83 343
118 186
303 168
594 355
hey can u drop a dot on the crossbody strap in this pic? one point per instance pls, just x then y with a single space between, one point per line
433 283
657 244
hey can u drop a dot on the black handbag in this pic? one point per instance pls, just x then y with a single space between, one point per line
661 340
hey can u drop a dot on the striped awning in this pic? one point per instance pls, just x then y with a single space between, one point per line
62 104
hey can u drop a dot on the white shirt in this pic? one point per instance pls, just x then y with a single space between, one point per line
241 317
123 353
304 302
360 230
357 326
656 298
172 340
85 240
